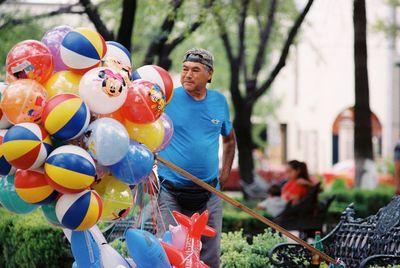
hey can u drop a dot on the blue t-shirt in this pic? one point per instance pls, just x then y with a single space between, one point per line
195 143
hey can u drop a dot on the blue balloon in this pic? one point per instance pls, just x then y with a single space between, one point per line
10 199
145 249
85 250
106 140
135 166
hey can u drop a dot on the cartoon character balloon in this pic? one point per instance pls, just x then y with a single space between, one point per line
29 59
23 101
145 102
103 89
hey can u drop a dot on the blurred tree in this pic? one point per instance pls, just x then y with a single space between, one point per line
164 39
249 61
362 112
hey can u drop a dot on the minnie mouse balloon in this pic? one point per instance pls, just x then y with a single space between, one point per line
103 89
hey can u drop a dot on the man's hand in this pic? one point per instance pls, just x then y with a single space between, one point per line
228 153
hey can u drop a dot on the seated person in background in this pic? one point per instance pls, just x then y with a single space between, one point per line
273 204
296 188
298 184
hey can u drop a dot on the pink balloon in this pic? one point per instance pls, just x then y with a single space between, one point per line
178 234
168 131
52 39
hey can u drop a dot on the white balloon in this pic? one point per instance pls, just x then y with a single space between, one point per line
103 89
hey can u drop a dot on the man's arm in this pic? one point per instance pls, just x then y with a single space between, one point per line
228 153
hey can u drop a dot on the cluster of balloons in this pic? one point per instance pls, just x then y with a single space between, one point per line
79 127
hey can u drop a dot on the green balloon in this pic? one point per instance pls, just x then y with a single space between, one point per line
10 199
49 212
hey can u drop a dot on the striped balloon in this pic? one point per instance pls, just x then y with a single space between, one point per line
32 187
158 75
5 167
70 169
82 49
26 146
66 116
79 211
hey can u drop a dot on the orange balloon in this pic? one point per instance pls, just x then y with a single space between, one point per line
115 115
23 101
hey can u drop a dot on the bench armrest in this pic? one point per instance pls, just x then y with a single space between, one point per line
380 260
289 255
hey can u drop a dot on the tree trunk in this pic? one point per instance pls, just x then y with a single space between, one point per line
125 31
362 112
242 125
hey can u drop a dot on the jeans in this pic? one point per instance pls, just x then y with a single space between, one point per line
210 252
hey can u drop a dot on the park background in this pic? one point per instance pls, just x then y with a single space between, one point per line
287 70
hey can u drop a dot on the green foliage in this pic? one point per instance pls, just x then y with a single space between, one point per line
237 252
366 202
120 246
29 241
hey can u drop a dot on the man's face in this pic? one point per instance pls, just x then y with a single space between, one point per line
194 76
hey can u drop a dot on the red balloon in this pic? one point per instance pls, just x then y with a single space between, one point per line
145 102
29 59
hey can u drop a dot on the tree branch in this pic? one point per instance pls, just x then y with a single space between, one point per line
94 16
264 38
284 53
223 33
258 19
125 31
241 36
166 28
193 27
62 10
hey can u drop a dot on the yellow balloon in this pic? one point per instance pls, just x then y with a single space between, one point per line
151 135
63 82
117 198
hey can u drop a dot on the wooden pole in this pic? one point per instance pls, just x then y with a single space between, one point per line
246 209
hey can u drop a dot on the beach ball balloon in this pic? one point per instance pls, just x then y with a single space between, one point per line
5 167
26 146
66 116
145 102
152 135
168 131
30 59
63 82
135 166
119 58
49 212
106 140
79 211
116 196
4 123
158 75
52 39
23 101
70 169
32 187
82 49
9 198
103 89
119 52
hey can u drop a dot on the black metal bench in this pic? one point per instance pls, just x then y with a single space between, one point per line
307 216
370 242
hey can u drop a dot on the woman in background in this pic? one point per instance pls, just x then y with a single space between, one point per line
295 189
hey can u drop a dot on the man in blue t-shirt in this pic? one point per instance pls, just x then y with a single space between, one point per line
200 116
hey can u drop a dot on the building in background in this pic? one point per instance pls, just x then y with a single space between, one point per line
317 87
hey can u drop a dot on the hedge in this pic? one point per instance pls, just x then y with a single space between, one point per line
29 241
